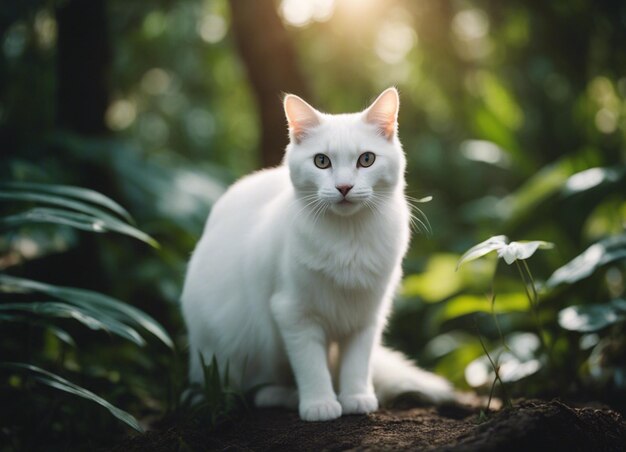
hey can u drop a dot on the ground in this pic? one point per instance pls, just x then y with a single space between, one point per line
529 426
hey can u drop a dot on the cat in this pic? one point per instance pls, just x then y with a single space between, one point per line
305 256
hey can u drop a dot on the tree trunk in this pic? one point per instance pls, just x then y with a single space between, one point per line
269 56
82 66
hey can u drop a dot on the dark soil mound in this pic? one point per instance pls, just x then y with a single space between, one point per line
529 426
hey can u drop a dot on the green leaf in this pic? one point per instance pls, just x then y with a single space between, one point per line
586 263
486 247
500 101
62 335
60 383
58 201
87 222
513 365
440 281
522 206
429 285
467 304
92 319
452 364
591 178
488 126
8 317
91 300
594 317
80 193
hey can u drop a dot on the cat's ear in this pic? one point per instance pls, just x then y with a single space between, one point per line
384 112
301 117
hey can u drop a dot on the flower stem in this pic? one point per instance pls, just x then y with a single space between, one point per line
507 400
533 298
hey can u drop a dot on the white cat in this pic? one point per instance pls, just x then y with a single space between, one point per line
297 258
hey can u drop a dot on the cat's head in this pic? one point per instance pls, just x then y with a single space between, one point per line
345 162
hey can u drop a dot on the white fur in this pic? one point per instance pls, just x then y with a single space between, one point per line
283 270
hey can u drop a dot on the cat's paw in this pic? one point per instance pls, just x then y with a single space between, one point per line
358 403
319 410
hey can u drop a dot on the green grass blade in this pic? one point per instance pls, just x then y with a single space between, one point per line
83 194
60 383
91 300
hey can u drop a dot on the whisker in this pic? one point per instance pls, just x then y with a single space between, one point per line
415 222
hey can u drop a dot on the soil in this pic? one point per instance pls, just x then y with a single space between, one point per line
530 425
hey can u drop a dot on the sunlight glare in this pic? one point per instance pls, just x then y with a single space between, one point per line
120 114
471 29
470 24
300 13
484 151
606 120
394 41
323 10
155 81
212 28
45 29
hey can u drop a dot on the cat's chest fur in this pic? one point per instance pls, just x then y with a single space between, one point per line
351 253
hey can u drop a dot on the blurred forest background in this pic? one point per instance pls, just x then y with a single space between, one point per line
513 117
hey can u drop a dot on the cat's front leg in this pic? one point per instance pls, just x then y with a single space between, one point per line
306 345
356 394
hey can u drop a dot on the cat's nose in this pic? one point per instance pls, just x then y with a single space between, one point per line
344 189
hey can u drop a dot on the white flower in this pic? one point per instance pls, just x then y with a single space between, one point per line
509 252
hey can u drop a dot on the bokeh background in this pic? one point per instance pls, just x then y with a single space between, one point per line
513 118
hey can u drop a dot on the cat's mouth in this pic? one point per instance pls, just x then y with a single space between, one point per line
346 207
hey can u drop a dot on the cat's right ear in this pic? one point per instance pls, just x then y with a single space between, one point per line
301 117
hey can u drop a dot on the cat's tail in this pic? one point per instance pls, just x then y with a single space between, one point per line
395 375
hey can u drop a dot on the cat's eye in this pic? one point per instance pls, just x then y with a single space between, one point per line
366 159
321 161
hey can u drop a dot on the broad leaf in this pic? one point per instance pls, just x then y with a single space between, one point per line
591 178
86 222
91 300
60 383
467 304
583 265
60 333
486 247
54 200
80 193
91 319
594 317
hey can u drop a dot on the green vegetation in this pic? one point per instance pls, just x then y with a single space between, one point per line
213 402
513 119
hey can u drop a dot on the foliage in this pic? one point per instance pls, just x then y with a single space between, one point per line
60 383
215 400
514 361
42 305
512 118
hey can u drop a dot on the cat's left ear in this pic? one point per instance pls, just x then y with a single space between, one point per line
384 112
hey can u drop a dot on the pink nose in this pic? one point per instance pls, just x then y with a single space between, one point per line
344 189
